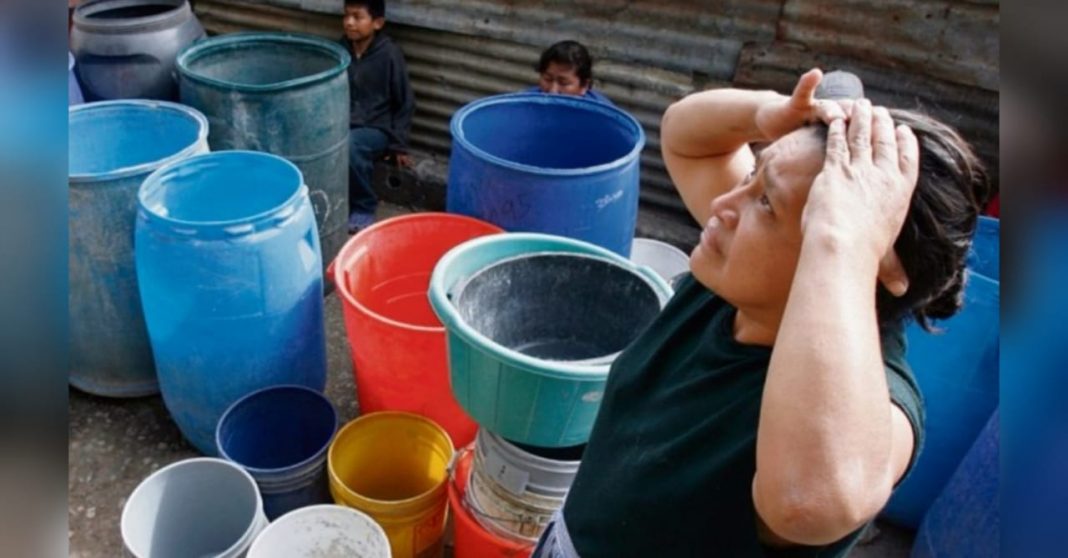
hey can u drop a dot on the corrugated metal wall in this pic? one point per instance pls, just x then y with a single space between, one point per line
936 54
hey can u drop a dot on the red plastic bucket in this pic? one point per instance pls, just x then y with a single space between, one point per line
397 342
470 538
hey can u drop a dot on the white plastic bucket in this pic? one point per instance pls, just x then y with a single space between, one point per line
196 507
666 260
321 531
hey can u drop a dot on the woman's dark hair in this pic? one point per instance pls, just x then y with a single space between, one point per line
568 53
376 8
937 234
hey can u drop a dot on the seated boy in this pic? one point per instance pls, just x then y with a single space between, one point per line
381 104
567 69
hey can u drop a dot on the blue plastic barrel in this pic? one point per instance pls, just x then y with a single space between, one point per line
113 146
284 94
957 371
964 520
74 91
985 256
555 164
280 435
231 280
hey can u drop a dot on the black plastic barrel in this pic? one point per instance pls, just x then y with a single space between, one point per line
125 49
284 94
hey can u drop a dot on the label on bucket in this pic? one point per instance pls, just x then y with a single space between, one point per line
510 478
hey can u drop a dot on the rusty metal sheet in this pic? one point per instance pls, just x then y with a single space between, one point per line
949 40
449 70
973 111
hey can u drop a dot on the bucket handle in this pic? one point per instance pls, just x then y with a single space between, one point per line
451 468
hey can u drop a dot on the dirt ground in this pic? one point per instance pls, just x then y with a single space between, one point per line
116 443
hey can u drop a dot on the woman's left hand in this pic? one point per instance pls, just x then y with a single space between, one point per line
865 187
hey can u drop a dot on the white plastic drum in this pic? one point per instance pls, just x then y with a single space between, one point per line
325 531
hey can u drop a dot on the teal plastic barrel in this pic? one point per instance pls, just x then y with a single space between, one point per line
113 146
284 94
534 400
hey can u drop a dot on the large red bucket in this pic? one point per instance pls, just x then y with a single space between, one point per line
470 538
398 344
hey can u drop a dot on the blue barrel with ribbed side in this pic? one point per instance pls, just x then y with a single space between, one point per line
556 164
231 281
113 146
284 94
964 520
957 372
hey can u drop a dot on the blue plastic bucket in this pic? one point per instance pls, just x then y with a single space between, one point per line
281 93
525 399
280 436
555 164
113 146
957 372
964 520
231 281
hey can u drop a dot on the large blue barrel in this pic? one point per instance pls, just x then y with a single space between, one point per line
957 371
113 146
964 520
74 91
283 94
231 280
985 255
554 164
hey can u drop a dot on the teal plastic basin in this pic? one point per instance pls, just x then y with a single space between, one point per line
518 397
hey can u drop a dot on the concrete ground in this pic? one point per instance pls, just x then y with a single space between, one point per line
116 443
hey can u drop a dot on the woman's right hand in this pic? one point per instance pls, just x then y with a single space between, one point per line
786 114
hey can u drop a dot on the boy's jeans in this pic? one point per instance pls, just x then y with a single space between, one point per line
366 145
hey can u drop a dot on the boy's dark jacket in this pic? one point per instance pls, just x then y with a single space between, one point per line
379 92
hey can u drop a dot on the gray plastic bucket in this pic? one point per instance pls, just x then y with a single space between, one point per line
326 530
196 507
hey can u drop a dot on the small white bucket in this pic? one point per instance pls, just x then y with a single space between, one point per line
195 507
666 260
323 531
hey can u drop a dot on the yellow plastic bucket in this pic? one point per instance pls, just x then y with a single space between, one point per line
393 466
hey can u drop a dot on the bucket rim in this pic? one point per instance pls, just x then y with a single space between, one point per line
292 515
142 105
199 49
83 20
352 245
155 181
295 467
256 524
455 325
426 496
458 136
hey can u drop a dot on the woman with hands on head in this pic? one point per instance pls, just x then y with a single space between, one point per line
769 410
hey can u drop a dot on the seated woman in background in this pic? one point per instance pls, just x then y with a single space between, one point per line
769 410
567 69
